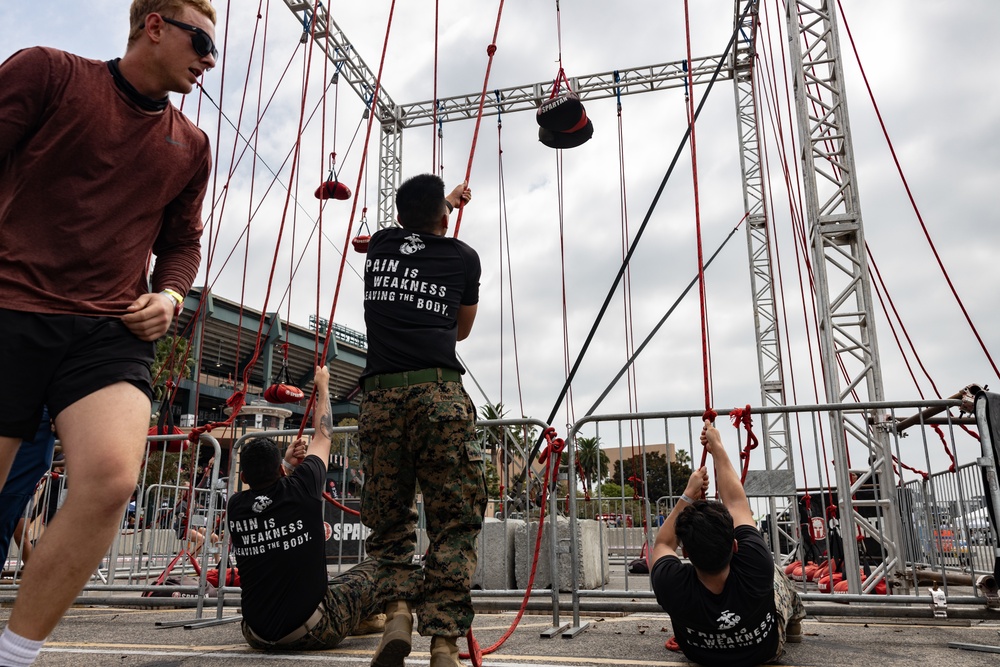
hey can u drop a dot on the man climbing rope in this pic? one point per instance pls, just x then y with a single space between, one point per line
279 542
98 171
417 423
730 606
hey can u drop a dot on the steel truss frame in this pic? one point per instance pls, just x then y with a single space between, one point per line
394 118
775 426
849 352
850 360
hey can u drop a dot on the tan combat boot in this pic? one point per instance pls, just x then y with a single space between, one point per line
372 625
444 652
793 632
395 644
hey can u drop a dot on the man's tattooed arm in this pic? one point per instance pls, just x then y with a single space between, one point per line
326 420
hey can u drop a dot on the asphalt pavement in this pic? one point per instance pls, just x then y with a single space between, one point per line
106 636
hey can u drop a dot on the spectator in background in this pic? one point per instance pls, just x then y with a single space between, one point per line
32 462
810 550
55 489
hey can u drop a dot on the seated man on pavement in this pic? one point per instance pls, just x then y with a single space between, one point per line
278 540
730 606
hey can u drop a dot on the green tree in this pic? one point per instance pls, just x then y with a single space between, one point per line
680 470
613 490
171 363
593 461
509 439
661 478
492 481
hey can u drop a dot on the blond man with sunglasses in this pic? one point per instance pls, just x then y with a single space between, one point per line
97 172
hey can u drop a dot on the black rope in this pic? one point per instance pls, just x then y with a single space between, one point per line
670 311
635 241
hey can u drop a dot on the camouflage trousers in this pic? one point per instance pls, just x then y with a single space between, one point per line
350 599
423 434
788 605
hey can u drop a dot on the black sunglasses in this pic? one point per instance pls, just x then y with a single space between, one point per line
202 43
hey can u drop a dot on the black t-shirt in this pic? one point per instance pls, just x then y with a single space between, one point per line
414 285
737 627
278 540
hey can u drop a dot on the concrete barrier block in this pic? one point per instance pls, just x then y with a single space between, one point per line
495 550
592 570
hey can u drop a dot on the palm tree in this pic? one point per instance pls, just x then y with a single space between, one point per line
172 362
509 439
593 461
492 436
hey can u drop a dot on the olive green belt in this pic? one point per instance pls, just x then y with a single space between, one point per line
410 378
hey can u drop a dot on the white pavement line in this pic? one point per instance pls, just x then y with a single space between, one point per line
214 654
499 661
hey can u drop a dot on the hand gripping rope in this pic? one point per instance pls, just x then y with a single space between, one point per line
709 415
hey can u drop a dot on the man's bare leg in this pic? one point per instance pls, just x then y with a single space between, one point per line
103 438
8 450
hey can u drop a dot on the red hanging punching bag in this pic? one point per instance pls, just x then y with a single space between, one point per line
283 393
333 190
360 243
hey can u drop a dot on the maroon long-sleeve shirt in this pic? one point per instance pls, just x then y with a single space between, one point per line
89 185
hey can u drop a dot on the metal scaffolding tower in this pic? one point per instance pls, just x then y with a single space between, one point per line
394 118
784 523
850 360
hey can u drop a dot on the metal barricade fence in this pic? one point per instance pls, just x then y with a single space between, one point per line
588 543
41 507
957 555
950 528
149 539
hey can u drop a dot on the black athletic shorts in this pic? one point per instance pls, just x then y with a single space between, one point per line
56 360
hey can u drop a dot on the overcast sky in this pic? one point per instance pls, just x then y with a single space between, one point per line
929 70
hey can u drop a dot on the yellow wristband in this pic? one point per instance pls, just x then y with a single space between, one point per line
178 299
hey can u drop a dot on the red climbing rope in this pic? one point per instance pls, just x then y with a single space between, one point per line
709 413
336 503
913 203
550 455
741 417
354 204
434 116
238 399
885 300
689 99
490 51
